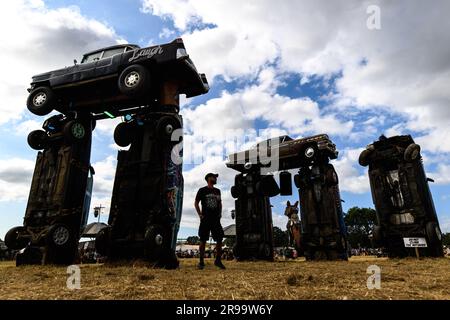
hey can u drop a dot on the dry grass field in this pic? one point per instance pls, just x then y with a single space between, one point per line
294 279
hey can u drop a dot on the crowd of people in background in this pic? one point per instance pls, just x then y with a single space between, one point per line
227 254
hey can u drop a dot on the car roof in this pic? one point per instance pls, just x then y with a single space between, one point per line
112 48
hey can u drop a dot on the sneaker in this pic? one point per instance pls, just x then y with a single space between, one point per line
201 266
219 264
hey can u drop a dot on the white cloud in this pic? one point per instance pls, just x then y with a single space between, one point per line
15 179
105 171
351 177
36 39
401 69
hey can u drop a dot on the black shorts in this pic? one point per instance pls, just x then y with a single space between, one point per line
210 226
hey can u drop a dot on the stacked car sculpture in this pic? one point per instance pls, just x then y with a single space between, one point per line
142 86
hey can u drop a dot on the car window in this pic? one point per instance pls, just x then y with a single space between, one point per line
113 52
92 58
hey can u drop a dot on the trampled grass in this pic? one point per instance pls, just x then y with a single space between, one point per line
292 279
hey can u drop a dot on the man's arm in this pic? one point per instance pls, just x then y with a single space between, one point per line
196 205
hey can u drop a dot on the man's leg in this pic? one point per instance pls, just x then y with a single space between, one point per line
203 233
202 252
217 232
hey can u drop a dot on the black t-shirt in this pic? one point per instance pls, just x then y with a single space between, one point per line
210 200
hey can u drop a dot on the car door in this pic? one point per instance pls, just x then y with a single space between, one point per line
109 63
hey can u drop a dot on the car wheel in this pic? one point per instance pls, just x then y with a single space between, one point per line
59 236
309 153
123 134
154 239
412 152
37 139
267 187
364 158
74 131
134 80
235 192
13 240
41 101
166 127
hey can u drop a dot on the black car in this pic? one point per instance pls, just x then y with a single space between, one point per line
291 153
60 193
116 77
402 197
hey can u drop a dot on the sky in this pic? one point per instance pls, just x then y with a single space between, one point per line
352 69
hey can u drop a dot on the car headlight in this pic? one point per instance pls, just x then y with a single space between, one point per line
248 166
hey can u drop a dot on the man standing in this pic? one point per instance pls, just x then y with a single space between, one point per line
210 215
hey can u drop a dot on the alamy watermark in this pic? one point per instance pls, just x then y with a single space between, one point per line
74 277
234 146
374 19
374 280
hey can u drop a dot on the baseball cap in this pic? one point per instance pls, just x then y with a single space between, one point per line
211 175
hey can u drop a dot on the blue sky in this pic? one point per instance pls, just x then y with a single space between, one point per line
276 73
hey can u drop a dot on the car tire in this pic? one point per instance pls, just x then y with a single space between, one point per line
41 101
154 242
308 153
123 134
13 241
267 187
59 236
134 80
412 152
38 140
74 132
235 192
166 127
364 157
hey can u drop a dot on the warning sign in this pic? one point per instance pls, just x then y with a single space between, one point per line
415 242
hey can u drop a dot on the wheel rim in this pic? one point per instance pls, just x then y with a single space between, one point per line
78 131
61 236
132 79
309 153
39 99
158 239
169 129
